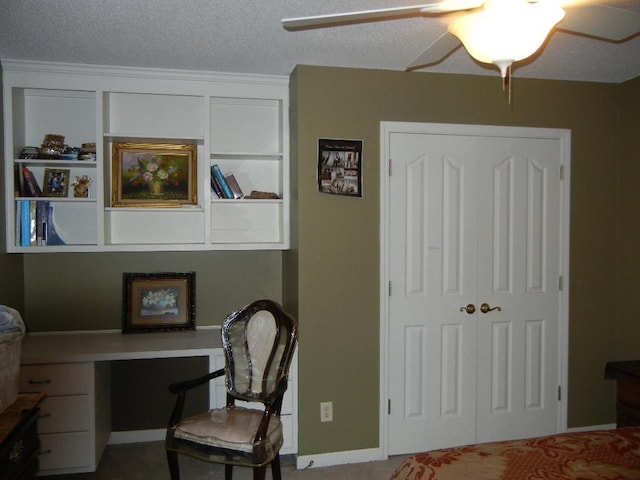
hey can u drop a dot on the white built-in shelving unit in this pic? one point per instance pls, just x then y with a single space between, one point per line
239 122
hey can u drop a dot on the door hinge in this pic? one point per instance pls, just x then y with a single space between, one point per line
389 167
561 172
389 288
389 407
559 393
560 285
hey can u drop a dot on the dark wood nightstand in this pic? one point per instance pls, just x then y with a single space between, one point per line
627 375
19 443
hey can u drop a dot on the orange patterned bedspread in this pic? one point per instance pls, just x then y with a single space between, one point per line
599 455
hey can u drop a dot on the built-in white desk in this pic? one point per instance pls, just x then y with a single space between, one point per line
104 346
73 369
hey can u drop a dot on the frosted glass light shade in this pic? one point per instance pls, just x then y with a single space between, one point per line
506 31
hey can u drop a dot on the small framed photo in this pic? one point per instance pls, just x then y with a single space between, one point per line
340 167
154 175
158 302
56 182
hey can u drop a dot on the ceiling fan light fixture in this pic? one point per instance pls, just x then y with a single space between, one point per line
506 31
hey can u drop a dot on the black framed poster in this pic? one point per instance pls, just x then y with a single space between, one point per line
340 167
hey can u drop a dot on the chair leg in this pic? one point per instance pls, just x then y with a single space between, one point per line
275 468
174 468
260 473
228 471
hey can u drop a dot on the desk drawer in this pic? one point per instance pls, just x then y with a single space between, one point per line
64 414
65 450
55 379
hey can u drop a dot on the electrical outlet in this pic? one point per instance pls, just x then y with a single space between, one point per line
326 411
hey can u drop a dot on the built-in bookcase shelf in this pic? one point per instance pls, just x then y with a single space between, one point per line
236 122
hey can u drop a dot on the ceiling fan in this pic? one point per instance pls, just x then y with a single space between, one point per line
498 32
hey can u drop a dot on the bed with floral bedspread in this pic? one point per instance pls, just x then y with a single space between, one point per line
597 455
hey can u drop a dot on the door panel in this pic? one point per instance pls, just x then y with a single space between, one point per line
433 271
472 219
519 273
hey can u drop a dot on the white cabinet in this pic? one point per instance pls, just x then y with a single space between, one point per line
246 140
239 123
73 369
74 422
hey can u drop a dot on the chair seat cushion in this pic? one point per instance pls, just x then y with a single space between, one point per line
232 428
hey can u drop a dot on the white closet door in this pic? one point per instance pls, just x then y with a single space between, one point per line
473 219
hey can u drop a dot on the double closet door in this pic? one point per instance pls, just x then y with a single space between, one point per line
474 239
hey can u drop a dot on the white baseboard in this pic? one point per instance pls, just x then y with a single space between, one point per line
338 458
591 428
137 436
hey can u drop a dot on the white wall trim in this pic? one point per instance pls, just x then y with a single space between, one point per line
592 428
137 436
339 458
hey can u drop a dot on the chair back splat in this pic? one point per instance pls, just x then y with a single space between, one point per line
259 341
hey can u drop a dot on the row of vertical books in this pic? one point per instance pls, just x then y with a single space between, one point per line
34 224
224 186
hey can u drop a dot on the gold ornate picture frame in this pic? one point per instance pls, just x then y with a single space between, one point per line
154 175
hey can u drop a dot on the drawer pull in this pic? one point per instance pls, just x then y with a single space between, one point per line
39 382
17 452
45 452
44 415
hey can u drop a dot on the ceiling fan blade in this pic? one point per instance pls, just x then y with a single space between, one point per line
601 21
330 20
436 52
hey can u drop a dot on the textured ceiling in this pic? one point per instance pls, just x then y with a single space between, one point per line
245 36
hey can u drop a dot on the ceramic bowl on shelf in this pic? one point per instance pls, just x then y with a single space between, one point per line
87 156
29 152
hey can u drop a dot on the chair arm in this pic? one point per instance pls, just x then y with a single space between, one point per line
181 389
194 382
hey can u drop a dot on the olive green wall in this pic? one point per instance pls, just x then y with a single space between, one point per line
627 344
83 291
336 248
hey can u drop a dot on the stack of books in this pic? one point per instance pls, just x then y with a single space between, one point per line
34 218
224 186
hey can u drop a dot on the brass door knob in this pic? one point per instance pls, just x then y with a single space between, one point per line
486 308
470 309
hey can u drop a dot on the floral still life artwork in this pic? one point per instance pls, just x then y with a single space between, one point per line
158 302
154 175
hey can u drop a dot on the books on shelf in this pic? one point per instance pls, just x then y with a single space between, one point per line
215 186
233 185
218 177
224 186
30 184
35 225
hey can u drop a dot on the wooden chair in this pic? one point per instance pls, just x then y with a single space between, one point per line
258 343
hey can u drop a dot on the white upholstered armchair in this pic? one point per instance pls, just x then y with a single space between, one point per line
258 343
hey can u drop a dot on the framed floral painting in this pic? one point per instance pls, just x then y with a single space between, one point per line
158 302
154 175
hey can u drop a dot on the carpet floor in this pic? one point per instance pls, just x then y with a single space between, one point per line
147 461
